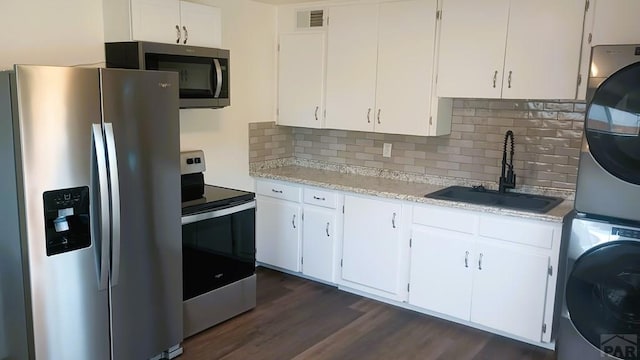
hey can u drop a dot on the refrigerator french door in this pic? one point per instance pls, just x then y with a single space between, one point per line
90 257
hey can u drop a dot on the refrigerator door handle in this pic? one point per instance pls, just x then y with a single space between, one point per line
115 203
103 185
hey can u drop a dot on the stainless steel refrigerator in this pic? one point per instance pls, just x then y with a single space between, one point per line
90 234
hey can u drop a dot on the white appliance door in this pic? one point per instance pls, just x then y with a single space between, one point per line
56 108
141 126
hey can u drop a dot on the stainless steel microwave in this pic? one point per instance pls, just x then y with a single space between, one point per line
203 72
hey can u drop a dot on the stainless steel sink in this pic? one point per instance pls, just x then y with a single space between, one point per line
479 195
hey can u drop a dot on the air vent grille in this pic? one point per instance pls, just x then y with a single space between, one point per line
315 18
310 19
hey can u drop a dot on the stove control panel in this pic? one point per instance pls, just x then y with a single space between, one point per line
192 162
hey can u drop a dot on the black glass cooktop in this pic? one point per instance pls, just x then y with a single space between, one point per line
216 197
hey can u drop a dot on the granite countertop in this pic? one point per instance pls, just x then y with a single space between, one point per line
393 189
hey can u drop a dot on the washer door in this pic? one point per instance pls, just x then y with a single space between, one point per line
603 292
612 124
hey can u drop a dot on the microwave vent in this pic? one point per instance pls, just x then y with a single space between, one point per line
310 19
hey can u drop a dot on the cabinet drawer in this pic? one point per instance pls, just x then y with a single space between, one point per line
320 197
279 190
449 219
517 231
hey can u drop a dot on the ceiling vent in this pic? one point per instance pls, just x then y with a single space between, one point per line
310 19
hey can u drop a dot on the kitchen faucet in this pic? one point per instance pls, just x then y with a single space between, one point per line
508 181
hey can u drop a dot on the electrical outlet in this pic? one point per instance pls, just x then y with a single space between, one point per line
386 150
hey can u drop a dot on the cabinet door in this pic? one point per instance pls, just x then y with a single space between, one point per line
201 25
301 79
509 289
405 65
472 41
155 20
616 22
441 271
278 233
543 64
371 243
319 231
351 67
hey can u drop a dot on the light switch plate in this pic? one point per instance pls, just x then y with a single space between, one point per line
386 150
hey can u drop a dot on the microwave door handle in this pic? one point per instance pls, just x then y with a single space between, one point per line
216 62
115 204
100 168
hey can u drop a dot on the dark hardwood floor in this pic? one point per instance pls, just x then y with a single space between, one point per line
301 319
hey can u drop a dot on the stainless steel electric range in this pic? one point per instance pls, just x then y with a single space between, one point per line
218 248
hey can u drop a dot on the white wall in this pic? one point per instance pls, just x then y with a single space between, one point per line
248 30
60 32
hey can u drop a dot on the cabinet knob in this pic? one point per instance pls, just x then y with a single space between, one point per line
368 116
495 78
276 191
466 259
480 262
178 34
318 198
328 230
316 113
378 116
293 221
393 220
186 34
509 80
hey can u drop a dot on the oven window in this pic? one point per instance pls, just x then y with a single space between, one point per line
217 252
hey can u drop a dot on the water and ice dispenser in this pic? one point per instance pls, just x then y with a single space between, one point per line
67 223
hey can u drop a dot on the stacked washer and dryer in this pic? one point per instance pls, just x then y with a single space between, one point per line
600 317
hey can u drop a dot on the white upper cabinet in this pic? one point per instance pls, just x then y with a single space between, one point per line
165 21
151 20
472 40
616 22
543 49
380 65
201 24
301 74
351 67
512 49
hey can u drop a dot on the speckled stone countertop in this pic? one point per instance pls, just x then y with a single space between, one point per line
391 188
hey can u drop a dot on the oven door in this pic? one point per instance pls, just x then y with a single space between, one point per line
218 248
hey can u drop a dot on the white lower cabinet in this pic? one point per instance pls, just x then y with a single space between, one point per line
498 272
509 289
321 233
278 225
372 254
441 271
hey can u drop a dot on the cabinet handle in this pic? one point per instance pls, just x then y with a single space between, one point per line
368 116
393 220
318 198
293 221
509 80
186 34
316 113
495 78
378 116
277 191
178 34
480 262
328 230
466 259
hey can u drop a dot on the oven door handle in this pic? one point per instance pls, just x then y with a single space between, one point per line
189 219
